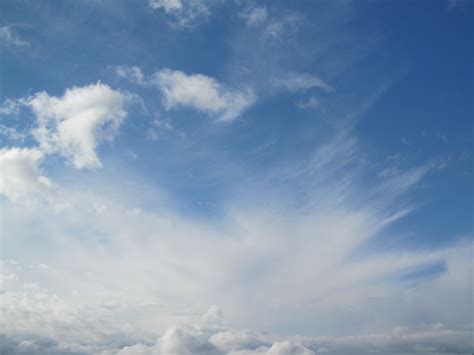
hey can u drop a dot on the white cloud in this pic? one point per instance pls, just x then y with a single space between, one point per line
300 82
254 15
202 93
196 91
76 123
10 38
21 176
269 268
186 13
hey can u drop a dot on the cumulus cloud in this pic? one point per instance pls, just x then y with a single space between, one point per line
196 91
21 176
74 124
300 82
10 38
202 93
185 13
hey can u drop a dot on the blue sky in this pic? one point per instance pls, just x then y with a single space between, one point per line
298 172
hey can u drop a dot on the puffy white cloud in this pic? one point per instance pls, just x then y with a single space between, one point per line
300 82
202 93
21 176
10 38
76 123
196 91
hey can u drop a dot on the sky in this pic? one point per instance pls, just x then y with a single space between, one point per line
236 177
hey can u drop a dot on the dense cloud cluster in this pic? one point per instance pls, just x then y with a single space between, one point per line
74 124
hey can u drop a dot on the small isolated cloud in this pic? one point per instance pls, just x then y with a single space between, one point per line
186 13
76 123
202 93
10 38
197 91
21 176
254 15
300 82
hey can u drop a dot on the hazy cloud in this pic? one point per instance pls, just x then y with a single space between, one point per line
10 38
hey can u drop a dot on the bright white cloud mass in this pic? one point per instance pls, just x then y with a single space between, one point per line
74 124
303 225
21 176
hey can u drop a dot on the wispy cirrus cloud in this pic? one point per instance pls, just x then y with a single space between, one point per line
173 260
254 15
300 82
10 38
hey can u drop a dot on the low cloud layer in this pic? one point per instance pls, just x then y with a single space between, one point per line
136 280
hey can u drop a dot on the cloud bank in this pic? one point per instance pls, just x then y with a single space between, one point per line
136 280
